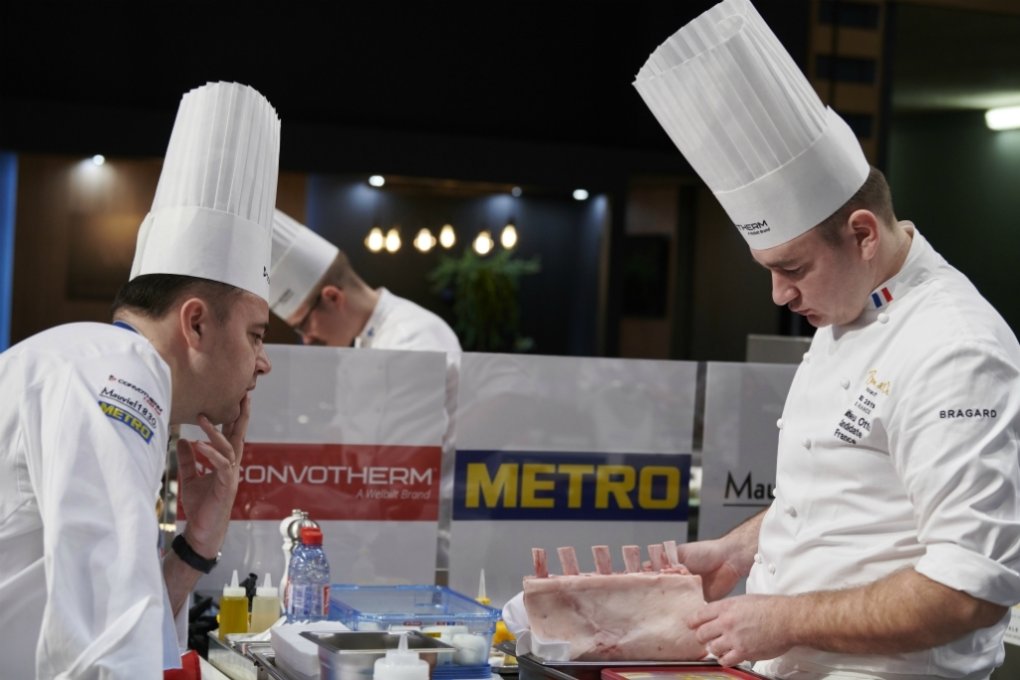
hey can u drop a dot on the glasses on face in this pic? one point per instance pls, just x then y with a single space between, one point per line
302 326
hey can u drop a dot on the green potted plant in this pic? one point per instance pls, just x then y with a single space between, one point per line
484 296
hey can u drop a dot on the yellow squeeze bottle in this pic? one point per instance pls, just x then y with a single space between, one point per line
233 609
265 606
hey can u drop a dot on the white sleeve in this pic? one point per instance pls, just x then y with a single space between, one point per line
954 445
95 483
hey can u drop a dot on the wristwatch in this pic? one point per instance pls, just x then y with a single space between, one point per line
192 558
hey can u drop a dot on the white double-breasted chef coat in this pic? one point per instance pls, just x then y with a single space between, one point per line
397 323
84 413
898 448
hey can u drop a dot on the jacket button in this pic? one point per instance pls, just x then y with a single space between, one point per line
779 423
883 317
791 511
807 357
845 383
757 558
772 569
806 443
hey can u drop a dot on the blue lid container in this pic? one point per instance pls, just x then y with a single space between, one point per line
415 606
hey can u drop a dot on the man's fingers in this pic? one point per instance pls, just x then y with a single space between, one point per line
215 457
237 430
185 459
211 432
700 618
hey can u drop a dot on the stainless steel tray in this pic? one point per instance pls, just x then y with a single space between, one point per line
532 667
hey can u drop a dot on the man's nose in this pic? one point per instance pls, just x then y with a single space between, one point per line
783 292
262 364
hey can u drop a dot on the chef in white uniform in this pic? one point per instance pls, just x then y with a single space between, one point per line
86 408
892 548
316 291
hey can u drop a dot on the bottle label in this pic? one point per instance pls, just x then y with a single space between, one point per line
307 601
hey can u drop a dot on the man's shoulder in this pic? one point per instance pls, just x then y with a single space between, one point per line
951 309
92 351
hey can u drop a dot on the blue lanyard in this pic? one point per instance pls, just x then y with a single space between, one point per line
125 325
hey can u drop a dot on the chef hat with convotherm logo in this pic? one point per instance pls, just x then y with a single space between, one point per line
212 214
300 258
747 120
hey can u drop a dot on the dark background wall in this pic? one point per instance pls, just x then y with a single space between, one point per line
558 304
959 182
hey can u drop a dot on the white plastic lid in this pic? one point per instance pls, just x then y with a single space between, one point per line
267 589
401 664
234 590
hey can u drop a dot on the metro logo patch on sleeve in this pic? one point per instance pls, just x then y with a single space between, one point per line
121 416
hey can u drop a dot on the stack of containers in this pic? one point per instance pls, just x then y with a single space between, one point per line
437 611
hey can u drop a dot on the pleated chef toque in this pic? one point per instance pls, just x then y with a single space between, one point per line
213 210
300 258
749 123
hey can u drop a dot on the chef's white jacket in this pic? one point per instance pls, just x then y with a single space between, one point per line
84 413
397 323
898 448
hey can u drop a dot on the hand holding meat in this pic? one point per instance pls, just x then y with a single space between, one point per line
718 567
743 628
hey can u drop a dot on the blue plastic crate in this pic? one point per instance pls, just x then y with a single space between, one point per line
384 607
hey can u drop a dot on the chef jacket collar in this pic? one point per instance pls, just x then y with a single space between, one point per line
379 314
917 268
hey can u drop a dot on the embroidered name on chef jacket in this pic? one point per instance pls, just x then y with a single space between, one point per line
855 423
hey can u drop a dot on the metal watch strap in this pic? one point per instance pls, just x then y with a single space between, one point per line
192 558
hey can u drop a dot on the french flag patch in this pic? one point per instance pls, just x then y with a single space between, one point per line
881 297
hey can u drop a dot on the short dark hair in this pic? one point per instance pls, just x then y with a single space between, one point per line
874 195
153 295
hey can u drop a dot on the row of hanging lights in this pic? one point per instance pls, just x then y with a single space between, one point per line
424 241
377 240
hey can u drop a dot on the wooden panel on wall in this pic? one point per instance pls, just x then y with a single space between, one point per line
75 233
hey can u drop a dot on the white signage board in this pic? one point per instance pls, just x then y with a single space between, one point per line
743 403
355 438
555 451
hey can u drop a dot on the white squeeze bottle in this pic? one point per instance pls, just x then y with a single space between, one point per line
265 606
401 664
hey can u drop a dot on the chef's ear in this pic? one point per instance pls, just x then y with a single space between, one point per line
194 317
865 228
334 295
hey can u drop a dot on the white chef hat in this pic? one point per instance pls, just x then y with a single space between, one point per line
300 258
212 214
749 123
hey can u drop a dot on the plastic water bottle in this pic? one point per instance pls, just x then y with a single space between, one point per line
290 532
307 597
